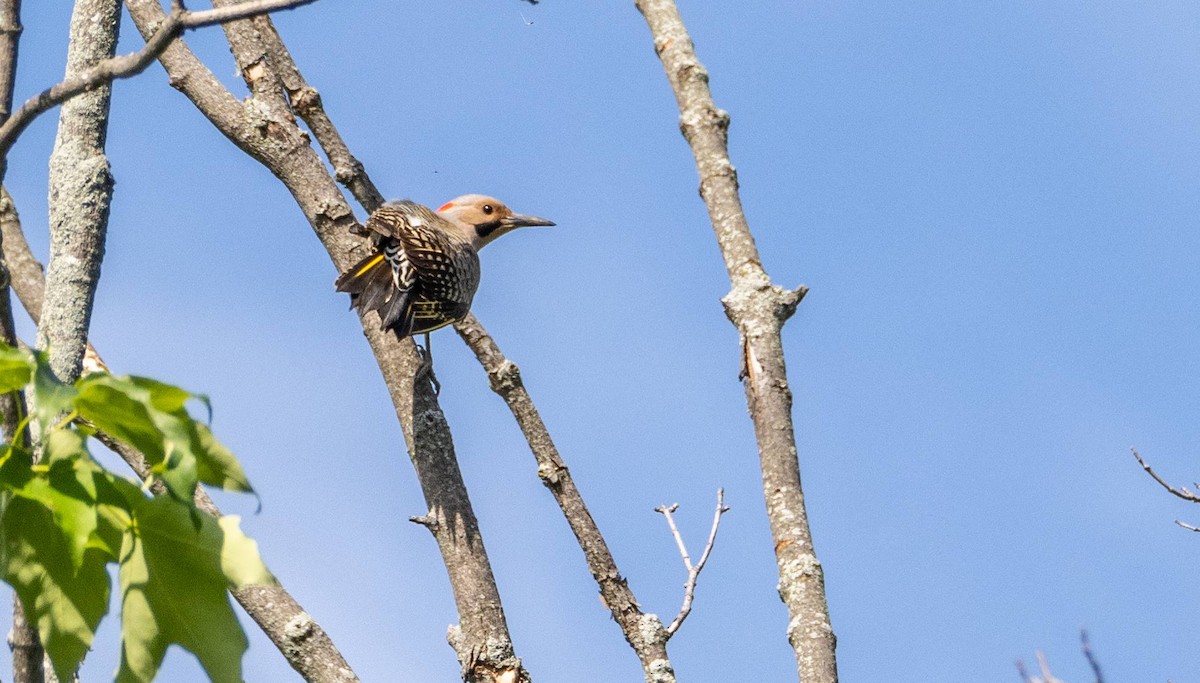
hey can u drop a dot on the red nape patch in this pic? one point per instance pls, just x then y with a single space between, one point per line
445 206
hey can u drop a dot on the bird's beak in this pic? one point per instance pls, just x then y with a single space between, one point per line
519 221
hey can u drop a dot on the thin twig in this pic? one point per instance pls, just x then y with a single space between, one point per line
1180 492
1044 666
668 512
1090 656
124 66
689 587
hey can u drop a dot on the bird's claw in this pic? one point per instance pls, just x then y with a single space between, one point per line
426 370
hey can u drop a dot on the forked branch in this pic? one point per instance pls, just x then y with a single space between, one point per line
693 570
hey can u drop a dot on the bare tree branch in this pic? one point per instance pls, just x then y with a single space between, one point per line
10 39
27 277
1181 492
113 68
644 632
1090 656
306 103
1044 667
1022 671
269 134
689 587
81 186
758 309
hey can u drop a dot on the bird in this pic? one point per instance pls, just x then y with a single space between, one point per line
423 271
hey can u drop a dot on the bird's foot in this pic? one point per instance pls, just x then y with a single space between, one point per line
425 369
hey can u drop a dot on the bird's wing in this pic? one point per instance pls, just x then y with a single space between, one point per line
447 276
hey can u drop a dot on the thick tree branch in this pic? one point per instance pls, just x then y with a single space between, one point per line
81 188
644 632
125 66
301 640
758 309
693 570
27 277
268 133
306 103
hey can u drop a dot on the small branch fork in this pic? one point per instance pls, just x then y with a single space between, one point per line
689 587
1181 492
125 66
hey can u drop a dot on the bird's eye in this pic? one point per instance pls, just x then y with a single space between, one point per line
488 209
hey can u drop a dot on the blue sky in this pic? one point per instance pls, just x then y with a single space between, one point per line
993 203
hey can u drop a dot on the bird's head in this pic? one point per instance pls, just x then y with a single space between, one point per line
483 219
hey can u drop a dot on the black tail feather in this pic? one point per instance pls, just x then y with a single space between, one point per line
370 286
368 283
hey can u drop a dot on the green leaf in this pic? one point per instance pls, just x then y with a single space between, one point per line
175 571
66 605
165 397
65 486
216 465
150 416
16 368
64 444
107 403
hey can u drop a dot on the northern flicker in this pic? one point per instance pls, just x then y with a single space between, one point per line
425 269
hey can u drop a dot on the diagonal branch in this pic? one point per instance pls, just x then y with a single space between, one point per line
689 587
269 134
644 632
1182 492
1090 656
125 66
759 309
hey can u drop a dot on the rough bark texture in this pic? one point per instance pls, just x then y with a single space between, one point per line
302 641
10 39
263 126
758 309
27 653
644 632
80 193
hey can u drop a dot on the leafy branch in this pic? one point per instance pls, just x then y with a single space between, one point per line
64 518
